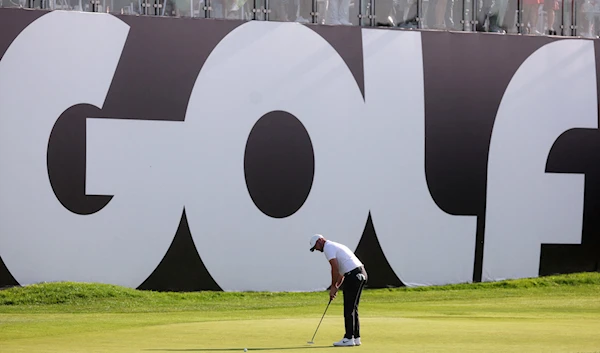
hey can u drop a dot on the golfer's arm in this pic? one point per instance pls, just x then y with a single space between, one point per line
336 278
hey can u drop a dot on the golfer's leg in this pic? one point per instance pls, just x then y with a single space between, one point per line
350 290
358 295
356 332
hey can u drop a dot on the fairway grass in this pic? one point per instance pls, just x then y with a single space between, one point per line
550 314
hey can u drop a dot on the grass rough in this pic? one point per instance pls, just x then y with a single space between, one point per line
98 297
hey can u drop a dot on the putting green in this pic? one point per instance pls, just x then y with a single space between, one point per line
380 334
550 315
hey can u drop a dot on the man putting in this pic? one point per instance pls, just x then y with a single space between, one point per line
346 268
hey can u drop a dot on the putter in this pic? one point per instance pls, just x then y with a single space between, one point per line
313 337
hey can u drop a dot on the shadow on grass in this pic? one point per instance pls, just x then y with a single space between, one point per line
233 349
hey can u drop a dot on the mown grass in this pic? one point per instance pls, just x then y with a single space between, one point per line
547 314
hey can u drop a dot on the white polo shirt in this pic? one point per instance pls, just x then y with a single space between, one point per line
346 259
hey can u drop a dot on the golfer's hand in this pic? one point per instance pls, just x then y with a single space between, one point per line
333 292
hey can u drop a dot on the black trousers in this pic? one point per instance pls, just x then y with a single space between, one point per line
354 281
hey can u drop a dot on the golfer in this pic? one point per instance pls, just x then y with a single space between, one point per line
346 268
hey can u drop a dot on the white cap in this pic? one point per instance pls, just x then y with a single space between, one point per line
313 241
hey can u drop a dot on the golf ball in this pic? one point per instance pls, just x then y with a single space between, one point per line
245 349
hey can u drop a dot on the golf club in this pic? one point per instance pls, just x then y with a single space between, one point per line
313 337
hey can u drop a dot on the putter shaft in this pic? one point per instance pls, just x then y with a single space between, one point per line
313 338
